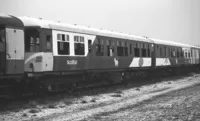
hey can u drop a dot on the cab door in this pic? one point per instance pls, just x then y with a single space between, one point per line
14 51
2 51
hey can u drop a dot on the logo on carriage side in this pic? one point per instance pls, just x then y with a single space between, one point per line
72 62
166 60
141 61
116 62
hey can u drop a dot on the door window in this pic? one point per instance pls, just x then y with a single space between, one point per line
2 40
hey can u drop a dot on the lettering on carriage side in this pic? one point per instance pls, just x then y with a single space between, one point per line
72 62
38 59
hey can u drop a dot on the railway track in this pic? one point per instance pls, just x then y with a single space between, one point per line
80 89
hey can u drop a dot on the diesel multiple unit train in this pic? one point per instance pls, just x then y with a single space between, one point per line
37 54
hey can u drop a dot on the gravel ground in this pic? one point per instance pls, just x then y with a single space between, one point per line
180 105
166 100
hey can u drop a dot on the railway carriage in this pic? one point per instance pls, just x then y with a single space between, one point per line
170 53
78 48
51 56
11 46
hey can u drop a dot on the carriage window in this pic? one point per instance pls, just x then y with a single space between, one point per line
110 49
144 54
63 48
179 52
79 45
148 51
137 50
32 40
89 45
63 37
161 52
59 37
99 47
119 48
188 54
164 52
185 54
63 44
48 43
182 53
173 52
126 49
122 48
130 46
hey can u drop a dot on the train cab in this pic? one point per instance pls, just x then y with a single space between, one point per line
11 46
38 46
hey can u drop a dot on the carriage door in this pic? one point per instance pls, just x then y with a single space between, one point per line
14 51
2 51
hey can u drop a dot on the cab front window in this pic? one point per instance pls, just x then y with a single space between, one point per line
32 40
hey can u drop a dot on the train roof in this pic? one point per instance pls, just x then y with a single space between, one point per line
9 20
172 43
36 22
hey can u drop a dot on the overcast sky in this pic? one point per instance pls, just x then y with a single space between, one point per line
174 20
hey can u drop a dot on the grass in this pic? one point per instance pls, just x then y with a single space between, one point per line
138 89
83 101
24 115
93 100
118 91
33 104
116 95
67 102
34 110
51 106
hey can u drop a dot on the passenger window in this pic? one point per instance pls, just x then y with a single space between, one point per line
137 50
164 52
161 52
130 46
89 45
48 43
173 52
119 48
79 45
63 48
144 54
169 52
99 48
110 49
148 51
63 44
157 51
63 37
185 54
126 49
59 37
